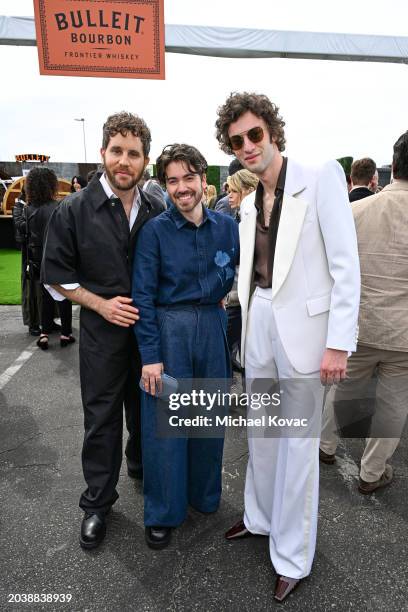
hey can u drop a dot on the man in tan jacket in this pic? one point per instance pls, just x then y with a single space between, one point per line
382 231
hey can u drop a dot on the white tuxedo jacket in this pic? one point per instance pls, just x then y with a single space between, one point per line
316 273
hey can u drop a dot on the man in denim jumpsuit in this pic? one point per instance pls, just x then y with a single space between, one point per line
184 267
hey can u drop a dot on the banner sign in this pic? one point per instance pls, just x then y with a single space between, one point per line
32 157
101 38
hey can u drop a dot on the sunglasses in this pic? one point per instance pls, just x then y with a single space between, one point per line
255 135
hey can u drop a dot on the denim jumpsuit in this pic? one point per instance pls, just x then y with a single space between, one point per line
181 273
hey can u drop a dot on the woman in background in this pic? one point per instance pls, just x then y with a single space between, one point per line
210 196
77 183
240 185
30 299
42 187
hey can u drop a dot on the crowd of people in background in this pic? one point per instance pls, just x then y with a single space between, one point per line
172 273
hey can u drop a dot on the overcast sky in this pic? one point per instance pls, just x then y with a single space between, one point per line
331 108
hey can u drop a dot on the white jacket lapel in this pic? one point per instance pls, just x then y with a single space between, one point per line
247 230
290 224
290 227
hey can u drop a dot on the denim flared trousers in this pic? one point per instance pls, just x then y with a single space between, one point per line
183 471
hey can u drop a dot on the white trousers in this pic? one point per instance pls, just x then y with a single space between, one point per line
282 481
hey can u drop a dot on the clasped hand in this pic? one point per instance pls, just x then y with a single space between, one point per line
118 310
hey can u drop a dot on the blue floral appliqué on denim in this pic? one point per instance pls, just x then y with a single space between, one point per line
222 260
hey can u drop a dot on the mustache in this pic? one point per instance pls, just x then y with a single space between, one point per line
184 193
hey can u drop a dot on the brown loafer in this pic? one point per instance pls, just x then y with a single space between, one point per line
237 531
284 586
326 458
369 487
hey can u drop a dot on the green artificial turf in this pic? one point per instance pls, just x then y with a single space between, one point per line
10 273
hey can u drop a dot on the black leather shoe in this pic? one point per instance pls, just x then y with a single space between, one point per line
134 470
66 341
34 331
158 537
93 531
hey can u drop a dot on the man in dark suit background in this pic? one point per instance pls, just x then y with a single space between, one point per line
364 179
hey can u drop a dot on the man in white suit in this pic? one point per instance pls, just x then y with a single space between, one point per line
299 288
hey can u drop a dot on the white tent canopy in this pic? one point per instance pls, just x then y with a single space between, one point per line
241 42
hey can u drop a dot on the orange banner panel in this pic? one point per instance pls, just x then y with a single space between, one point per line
101 38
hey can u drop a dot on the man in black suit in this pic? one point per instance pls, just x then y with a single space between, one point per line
88 259
364 179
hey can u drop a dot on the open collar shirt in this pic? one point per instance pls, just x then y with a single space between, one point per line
112 196
265 239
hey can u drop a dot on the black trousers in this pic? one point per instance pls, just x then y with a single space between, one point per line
48 311
234 331
31 295
110 370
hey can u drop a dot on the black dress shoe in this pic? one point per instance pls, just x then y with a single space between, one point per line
158 537
93 530
34 331
66 341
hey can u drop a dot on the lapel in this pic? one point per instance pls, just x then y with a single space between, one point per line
142 216
290 224
247 231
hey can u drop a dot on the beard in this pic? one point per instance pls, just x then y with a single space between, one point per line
123 184
196 196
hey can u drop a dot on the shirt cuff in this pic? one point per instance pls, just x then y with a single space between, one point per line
56 295
150 355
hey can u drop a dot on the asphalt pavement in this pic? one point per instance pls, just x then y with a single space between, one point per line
361 560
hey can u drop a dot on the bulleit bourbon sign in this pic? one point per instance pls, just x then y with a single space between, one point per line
101 38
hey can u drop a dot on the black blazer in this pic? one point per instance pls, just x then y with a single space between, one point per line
37 221
359 193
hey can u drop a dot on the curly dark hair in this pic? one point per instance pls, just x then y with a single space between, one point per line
185 153
400 158
41 186
123 123
239 103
